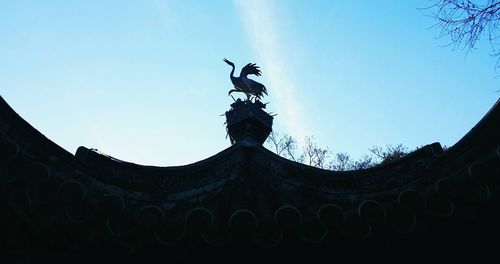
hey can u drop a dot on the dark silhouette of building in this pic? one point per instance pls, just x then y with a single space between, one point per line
246 202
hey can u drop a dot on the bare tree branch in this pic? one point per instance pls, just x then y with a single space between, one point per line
363 163
466 21
313 155
390 153
285 145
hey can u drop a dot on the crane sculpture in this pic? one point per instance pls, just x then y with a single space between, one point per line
245 85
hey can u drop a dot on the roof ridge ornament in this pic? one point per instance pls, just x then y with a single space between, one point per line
246 121
245 85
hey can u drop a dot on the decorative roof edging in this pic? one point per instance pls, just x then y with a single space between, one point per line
244 191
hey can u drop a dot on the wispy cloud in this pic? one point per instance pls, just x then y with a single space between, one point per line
269 43
166 15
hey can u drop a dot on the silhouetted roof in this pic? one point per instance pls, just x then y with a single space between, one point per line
245 195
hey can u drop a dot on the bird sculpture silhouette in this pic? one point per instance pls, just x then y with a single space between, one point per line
245 85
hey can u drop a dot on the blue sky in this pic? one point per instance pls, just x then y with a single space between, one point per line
144 81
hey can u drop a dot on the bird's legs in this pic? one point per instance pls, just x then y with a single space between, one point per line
237 90
249 96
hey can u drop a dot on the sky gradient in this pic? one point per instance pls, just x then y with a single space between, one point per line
144 81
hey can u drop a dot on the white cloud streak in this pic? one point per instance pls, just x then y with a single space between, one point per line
269 43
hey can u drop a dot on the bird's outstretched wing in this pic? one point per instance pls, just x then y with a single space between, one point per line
250 68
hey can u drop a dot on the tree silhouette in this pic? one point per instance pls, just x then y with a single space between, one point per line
465 22
390 153
316 156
